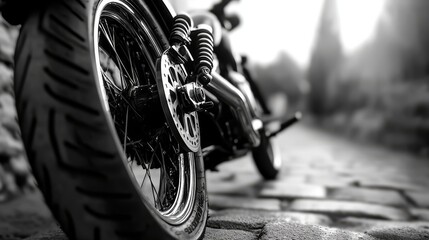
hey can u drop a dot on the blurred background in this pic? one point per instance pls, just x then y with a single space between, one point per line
356 67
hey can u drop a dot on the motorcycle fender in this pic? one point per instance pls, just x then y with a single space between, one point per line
164 12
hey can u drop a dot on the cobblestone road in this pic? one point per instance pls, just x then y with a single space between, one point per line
328 182
329 188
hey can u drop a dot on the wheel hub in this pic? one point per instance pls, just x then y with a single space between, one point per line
181 116
191 97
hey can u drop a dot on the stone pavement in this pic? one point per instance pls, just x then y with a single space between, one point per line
329 188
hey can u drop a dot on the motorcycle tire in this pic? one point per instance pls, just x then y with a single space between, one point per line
106 161
267 158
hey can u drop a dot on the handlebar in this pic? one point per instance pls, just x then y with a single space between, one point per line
223 3
219 11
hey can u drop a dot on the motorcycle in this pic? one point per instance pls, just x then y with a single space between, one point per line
123 105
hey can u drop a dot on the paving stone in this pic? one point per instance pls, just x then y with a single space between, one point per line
348 208
284 205
379 196
5 37
220 176
286 190
223 202
8 114
292 178
366 224
216 234
420 213
7 43
241 165
22 225
334 181
24 216
386 183
53 233
30 203
307 171
296 231
256 219
211 212
240 185
399 233
420 198
6 75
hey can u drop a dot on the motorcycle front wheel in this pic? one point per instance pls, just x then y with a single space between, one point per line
100 147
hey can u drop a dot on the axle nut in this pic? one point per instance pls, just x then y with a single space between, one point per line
199 94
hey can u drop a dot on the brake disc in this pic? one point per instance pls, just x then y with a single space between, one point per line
185 126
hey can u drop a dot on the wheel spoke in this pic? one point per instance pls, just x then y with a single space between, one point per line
128 48
153 155
133 76
164 167
154 192
111 40
126 131
110 82
147 168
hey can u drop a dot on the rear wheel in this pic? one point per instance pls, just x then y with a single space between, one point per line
105 156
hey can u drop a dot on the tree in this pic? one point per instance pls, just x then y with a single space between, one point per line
326 56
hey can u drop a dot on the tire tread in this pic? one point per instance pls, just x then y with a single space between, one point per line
56 77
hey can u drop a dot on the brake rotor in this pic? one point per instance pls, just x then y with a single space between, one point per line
185 126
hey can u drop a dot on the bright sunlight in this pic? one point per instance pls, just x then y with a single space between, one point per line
358 20
271 26
291 26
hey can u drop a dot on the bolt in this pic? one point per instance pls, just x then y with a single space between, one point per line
199 94
204 77
205 105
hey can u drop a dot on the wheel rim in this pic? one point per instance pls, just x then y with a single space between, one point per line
165 172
